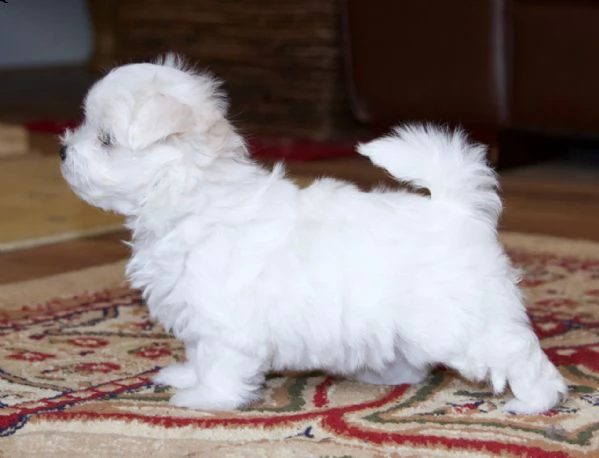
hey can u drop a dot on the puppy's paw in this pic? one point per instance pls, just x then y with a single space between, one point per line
201 398
539 404
537 394
178 376
516 406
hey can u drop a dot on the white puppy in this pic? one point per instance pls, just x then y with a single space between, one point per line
254 274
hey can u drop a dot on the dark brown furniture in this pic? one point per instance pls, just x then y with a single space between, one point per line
491 65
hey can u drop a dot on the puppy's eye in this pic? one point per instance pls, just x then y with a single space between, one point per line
105 139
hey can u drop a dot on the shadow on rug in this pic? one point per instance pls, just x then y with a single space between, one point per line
75 371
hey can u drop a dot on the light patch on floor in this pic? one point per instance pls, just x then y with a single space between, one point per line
38 207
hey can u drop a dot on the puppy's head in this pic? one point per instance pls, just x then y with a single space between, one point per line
144 124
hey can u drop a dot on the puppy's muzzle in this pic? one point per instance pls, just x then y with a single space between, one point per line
63 153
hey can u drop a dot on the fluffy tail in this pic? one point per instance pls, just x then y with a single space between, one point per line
442 161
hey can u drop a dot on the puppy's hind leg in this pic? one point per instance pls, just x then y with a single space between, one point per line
535 382
399 372
227 378
510 353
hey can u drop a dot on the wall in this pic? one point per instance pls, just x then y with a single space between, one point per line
37 33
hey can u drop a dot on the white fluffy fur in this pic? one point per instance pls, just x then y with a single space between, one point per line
254 274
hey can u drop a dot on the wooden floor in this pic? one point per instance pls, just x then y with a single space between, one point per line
559 197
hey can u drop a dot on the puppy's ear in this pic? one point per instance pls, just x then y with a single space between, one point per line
156 118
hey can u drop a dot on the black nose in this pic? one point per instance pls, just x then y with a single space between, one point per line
63 153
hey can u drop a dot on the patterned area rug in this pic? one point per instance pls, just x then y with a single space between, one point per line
77 351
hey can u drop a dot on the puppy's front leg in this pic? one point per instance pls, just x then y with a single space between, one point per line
227 378
180 375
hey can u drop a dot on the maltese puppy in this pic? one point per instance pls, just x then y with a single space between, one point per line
253 274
